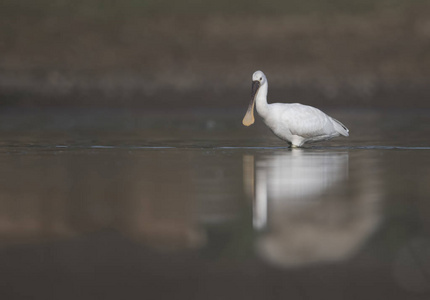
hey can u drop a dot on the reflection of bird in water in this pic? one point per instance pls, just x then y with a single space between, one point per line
295 179
306 217
300 175
293 122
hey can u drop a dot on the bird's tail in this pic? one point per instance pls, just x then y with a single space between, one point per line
339 127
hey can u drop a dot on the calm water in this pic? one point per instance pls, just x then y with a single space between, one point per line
114 205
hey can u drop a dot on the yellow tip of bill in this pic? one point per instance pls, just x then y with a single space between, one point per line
248 119
249 116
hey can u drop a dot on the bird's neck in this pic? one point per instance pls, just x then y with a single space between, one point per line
261 100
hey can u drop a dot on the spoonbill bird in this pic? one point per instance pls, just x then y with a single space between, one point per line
292 122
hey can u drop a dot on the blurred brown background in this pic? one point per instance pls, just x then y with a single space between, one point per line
187 53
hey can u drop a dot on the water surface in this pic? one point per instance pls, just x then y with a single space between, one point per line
195 206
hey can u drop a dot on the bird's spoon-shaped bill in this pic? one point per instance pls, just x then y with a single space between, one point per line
249 116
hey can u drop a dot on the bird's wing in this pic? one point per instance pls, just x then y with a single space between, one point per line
339 127
306 121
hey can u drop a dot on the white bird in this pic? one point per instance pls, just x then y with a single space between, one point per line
292 122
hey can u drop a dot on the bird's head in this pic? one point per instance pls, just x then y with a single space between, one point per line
259 77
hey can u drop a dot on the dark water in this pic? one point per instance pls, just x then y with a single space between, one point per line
120 205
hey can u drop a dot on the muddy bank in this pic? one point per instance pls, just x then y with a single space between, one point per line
136 92
377 58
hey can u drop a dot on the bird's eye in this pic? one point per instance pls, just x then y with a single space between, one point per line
261 78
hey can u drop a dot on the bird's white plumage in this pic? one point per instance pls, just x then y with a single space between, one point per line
293 122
